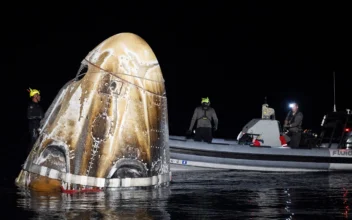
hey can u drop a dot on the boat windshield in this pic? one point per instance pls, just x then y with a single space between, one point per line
335 127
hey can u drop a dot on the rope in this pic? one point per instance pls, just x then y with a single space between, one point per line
115 75
123 73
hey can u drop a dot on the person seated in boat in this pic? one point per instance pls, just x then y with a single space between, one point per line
293 123
268 113
204 115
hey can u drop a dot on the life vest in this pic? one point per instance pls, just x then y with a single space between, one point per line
204 117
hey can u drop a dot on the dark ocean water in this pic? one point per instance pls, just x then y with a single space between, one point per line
196 195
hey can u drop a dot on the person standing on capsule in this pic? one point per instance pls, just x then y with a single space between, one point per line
34 115
204 115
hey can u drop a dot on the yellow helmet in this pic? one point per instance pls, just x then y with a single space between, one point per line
32 92
205 100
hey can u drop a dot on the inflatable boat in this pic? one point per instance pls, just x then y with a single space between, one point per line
329 151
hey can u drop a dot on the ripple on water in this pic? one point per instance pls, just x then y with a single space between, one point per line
217 194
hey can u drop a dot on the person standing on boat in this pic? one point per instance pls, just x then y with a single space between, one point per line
34 115
204 115
293 123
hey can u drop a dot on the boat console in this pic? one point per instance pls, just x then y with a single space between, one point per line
264 130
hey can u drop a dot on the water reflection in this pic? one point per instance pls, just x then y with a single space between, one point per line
122 204
343 183
320 196
228 195
256 195
346 204
206 195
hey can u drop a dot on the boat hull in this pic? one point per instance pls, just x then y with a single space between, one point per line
229 155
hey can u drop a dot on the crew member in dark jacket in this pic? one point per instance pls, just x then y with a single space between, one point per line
34 114
204 115
293 123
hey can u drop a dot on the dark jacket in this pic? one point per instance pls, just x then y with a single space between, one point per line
294 121
204 118
34 114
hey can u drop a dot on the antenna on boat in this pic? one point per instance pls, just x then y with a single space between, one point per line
265 100
334 94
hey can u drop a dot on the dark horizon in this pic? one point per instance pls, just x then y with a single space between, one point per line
235 61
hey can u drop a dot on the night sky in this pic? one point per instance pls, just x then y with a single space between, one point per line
236 54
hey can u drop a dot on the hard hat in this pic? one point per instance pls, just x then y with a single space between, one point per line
32 92
205 100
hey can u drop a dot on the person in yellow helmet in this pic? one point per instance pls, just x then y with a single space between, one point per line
34 115
204 115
